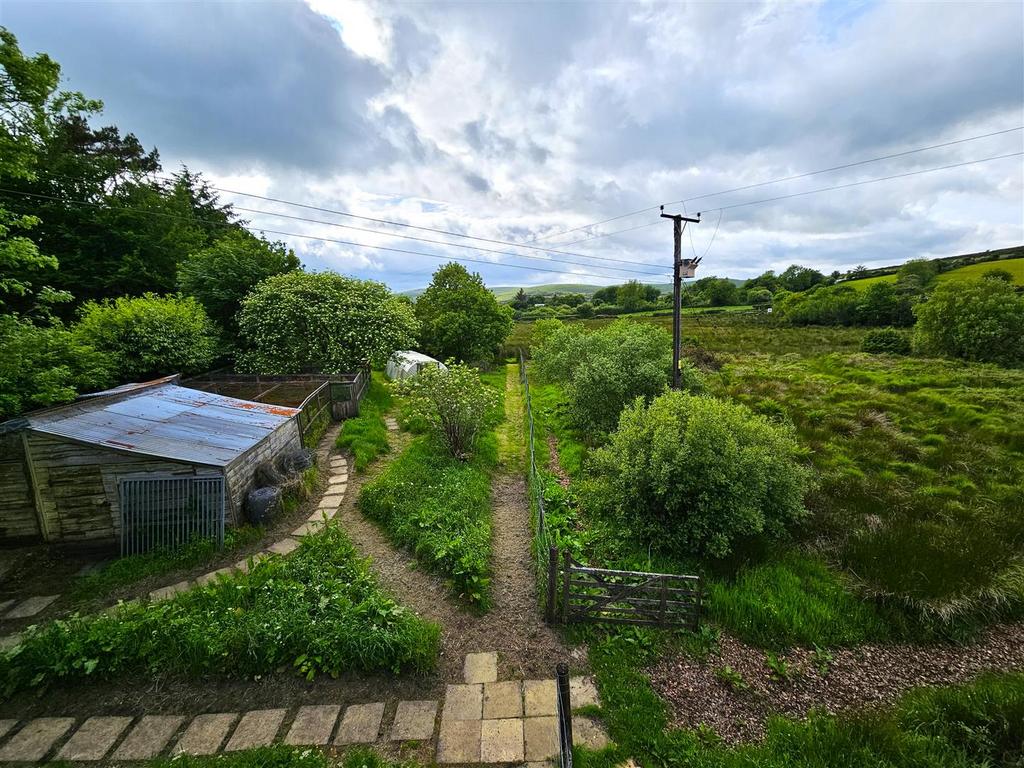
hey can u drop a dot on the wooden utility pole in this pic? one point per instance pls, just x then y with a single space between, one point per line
680 268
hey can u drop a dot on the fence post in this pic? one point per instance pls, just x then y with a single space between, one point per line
564 707
549 613
663 618
565 587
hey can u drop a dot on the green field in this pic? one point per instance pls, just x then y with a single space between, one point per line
971 272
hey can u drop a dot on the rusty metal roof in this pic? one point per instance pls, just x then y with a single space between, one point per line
165 420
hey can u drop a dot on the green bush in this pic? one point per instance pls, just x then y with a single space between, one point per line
45 365
366 435
455 405
696 474
606 369
885 341
980 320
300 321
318 610
460 317
149 335
439 509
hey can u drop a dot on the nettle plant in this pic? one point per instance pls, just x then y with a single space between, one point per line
454 403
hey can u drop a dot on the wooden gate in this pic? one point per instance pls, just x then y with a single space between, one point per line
628 597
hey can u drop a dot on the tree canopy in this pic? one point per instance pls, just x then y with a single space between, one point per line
460 318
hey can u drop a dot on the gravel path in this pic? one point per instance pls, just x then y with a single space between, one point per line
854 678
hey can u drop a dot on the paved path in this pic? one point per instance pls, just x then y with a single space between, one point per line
479 720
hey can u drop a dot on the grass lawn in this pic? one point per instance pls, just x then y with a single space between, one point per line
970 272
318 610
366 435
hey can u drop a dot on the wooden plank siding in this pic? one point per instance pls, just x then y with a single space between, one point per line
18 519
241 472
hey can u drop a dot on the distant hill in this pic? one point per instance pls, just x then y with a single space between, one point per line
964 267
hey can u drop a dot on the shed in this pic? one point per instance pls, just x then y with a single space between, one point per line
65 471
405 364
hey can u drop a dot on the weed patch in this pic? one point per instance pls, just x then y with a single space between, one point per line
319 610
366 435
438 508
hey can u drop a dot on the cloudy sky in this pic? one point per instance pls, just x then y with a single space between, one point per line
517 121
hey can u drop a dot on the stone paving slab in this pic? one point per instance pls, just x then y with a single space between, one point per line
540 698
339 479
501 741
5 726
30 606
582 692
463 702
284 546
163 593
313 725
503 700
587 733
33 742
414 721
459 741
361 724
308 528
149 737
9 641
205 734
256 729
5 604
541 737
94 738
211 577
481 667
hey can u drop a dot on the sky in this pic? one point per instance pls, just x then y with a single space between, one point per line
515 122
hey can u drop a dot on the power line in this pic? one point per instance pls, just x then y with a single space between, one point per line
332 240
776 181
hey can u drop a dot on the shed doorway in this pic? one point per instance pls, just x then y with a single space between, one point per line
167 512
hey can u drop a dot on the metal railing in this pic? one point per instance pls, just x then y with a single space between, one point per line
167 512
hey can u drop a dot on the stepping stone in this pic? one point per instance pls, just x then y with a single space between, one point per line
205 734
414 721
307 529
361 724
541 737
540 698
459 741
33 742
284 546
94 739
256 729
30 606
582 692
5 604
588 733
503 700
149 737
5 726
463 702
211 577
165 593
481 667
9 642
313 725
501 741
335 480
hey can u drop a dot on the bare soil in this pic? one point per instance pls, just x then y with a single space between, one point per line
853 679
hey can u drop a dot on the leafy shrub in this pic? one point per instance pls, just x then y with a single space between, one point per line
149 335
697 474
366 435
45 365
221 275
460 317
878 304
980 320
885 341
453 403
439 509
324 322
606 369
318 610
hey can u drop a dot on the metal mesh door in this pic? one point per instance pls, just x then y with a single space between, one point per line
166 512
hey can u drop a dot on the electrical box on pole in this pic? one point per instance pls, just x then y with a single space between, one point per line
680 268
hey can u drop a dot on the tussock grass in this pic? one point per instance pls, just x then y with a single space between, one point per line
366 435
438 508
319 610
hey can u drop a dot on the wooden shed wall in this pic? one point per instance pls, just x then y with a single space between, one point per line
77 486
17 506
241 471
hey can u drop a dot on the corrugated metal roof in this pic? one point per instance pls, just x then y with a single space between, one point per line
165 420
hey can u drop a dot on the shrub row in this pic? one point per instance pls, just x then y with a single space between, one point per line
438 508
319 610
